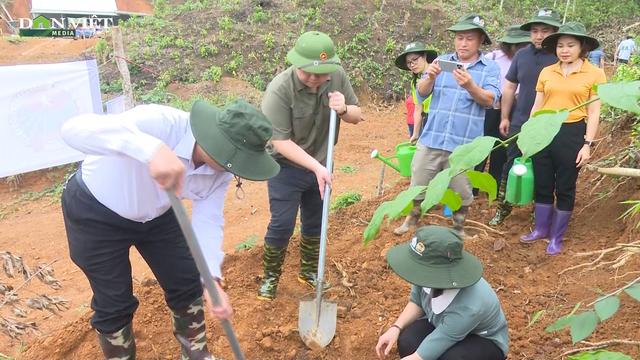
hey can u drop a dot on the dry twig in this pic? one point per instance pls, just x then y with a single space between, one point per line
13 292
599 345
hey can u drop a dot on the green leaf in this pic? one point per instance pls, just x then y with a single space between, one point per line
600 355
452 199
583 325
606 307
485 182
466 156
539 131
559 324
436 189
404 199
633 291
623 95
373 228
536 316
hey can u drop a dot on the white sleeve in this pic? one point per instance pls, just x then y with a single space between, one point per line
208 223
136 133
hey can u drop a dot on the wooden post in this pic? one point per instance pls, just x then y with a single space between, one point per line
566 8
118 49
381 180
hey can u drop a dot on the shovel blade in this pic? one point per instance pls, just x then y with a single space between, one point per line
318 336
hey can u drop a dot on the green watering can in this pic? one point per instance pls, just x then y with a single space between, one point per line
520 182
403 157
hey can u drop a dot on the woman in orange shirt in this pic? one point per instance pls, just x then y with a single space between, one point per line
564 85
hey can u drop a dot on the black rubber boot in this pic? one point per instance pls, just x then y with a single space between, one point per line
309 252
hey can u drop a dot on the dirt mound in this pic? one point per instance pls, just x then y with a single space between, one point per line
370 296
45 50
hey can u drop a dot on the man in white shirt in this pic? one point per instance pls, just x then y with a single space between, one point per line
118 199
626 48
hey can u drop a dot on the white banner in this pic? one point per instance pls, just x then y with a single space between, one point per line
35 101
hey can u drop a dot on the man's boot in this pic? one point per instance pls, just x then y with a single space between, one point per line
309 252
458 218
543 214
119 345
272 260
411 221
189 328
504 208
559 225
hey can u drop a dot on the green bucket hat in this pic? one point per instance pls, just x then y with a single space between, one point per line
470 22
543 16
574 29
411 48
435 258
314 52
235 137
515 35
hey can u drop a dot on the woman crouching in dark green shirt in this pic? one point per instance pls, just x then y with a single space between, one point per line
453 313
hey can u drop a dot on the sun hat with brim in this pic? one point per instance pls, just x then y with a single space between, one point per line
543 16
574 29
515 35
314 52
471 22
435 258
415 47
235 137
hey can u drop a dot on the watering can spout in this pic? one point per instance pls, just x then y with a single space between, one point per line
375 154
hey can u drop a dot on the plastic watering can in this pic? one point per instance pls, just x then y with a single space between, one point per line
520 182
403 157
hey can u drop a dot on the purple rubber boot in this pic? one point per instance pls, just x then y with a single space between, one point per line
559 226
543 214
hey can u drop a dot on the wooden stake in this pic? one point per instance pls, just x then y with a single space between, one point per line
118 48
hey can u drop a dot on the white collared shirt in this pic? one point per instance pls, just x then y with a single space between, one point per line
119 148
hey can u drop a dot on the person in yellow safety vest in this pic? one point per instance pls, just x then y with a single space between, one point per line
415 58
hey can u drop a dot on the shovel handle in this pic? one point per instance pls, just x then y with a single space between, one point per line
325 215
201 263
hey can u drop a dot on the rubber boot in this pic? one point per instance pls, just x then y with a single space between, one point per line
190 330
504 208
559 225
458 218
543 214
272 260
309 252
411 221
119 345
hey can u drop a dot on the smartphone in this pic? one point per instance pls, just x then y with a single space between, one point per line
450 66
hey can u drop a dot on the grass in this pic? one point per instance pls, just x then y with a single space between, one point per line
345 200
348 169
248 243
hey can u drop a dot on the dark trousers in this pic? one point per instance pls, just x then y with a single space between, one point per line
472 347
512 153
99 242
291 189
555 167
498 157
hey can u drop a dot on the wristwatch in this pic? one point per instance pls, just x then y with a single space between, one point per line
588 142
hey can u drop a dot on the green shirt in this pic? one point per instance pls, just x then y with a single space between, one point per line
302 116
475 310
425 103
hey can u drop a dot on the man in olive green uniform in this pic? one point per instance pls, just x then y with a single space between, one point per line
298 103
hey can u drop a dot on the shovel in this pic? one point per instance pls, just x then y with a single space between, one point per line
201 263
317 317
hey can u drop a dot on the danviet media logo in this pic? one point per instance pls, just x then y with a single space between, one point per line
60 27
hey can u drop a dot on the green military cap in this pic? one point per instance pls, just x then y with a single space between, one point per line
235 137
314 52
435 258
411 48
543 16
572 28
470 22
515 35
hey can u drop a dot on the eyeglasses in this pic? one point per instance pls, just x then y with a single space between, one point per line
413 61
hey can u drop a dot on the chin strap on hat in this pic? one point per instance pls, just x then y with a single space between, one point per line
239 190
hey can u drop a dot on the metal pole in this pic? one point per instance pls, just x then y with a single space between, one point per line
325 215
201 263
